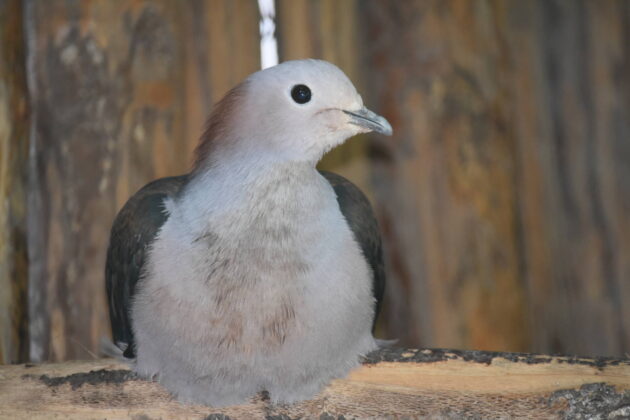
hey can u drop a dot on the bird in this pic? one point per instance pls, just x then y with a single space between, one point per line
254 271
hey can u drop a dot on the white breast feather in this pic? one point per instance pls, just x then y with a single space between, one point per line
250 287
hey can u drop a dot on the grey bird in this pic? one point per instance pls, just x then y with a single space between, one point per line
255 271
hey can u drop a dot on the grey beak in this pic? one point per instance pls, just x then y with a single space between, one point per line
368 119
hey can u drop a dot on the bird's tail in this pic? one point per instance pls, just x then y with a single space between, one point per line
109 349
385 344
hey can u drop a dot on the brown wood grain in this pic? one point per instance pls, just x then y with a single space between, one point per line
569 86
121 92
435 384
446 192
14 141
504 194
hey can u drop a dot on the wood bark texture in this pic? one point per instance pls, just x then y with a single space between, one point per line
504 193
435 384
120 93
14 142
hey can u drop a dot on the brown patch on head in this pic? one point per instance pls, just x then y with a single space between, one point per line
217 125
276 328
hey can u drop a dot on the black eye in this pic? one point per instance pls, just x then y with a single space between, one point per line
301 94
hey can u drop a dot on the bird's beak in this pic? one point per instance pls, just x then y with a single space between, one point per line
368 119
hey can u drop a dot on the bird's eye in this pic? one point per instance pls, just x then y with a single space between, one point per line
301 94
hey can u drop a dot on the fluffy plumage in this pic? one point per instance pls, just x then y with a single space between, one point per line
255 271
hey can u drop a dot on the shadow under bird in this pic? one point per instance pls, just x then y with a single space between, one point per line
255 271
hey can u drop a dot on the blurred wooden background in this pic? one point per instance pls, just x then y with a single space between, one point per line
503 195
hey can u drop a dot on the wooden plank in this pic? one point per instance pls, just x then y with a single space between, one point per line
504 194
392 383
14 124
446 182
570 112
120 92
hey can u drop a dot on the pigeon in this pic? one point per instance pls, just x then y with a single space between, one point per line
255 271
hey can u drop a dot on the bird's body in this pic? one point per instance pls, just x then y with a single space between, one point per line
254 272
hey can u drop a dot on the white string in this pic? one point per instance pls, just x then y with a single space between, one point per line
268 43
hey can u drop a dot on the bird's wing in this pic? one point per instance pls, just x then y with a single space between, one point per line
356 209
134 228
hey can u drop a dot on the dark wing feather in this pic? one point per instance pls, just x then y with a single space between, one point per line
356 209
134 228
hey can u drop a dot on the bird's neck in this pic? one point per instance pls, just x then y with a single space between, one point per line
258 188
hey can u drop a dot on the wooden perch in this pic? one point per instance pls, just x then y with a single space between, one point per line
432 384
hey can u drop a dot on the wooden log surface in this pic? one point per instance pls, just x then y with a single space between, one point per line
432 384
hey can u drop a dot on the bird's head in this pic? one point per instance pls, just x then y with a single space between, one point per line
295 111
